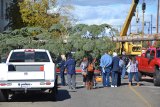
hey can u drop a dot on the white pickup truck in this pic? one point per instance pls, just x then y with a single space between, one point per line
27 70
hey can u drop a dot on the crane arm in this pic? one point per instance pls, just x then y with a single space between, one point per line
129 18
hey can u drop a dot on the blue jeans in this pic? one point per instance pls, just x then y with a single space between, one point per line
63 82
71 81
131 76
123 72
105 76
114 78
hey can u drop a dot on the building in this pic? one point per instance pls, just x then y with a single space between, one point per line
4 4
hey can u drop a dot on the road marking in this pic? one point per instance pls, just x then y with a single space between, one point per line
141 97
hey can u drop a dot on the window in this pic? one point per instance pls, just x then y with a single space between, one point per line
17 57
41 57
29 57
147 54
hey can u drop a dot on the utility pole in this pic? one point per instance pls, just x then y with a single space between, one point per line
130 28
143 10
151 24
149 27
137 20
157 30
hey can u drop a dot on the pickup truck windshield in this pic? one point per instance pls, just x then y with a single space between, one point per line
158 53
29 57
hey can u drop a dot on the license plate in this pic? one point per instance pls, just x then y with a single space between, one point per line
26 85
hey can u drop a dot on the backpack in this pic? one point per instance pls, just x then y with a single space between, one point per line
90 67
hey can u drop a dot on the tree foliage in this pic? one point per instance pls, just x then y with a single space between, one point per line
38 37
35 13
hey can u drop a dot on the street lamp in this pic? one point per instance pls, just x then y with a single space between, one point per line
137 20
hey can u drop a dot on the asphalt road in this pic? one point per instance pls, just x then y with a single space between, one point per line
146 95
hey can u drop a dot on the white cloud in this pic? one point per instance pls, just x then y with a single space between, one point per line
105 2
112 14
107 11
101 14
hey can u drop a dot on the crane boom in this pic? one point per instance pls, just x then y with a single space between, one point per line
129 47
129 18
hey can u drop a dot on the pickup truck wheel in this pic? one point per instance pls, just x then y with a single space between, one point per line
156 77
140 76
3 95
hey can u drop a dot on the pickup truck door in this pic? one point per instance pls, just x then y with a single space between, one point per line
151 61
145 61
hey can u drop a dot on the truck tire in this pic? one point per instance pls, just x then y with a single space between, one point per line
156 78
140 76
3 95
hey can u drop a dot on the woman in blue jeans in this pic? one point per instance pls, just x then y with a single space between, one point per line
133 71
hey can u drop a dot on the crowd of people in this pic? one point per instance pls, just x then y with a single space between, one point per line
113 66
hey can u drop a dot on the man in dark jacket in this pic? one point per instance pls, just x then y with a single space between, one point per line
115 69
126 60
62 69
70 65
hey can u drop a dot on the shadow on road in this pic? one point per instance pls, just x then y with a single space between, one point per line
124 84
37 97
63 95
147 80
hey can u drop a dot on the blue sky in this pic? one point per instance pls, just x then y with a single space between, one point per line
111 12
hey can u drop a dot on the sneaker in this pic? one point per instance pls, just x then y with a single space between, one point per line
138 84
112 85
115 86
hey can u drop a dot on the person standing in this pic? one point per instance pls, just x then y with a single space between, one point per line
71 72
105 64
128 66
83 67
90 73
133 71
126 60
62 69
115 69
121 65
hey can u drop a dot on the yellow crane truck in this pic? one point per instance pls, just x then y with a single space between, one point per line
131 48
